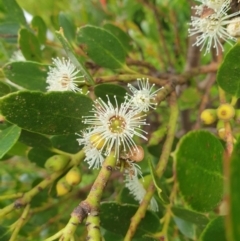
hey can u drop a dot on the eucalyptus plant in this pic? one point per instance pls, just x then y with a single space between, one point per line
119 120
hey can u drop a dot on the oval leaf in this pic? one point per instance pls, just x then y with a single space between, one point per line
4 89
34 139
228 74
29 75
67 143
54 113
199 170
116 218
102 47
120 34
215 230
234 214
8 138
110 90
40 29
29 45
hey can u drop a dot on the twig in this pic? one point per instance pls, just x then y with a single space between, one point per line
163 160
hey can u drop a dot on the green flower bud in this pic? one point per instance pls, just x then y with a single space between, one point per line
208 116
62 187
225 112
56 163
73 177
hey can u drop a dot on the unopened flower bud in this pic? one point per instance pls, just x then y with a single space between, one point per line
137 154
233 28
97 141
73 177
208 116
225 112
62 187
56 163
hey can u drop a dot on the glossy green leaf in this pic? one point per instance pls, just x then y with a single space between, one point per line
110 90
158 184
4 233
15 12
39 28
52 113
29 45
215 230
234 215
186 228
116 218
30 75
190 216
68 26
102 47
8 138
39 155
73 58
120 34
19 149
34 139
67 143
4 89
199 170
228 74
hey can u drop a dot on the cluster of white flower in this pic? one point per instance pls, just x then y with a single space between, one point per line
63 76
210 24
113 127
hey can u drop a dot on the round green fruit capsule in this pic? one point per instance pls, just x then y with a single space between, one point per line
56 163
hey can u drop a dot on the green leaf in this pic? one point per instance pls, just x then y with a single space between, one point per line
40 28
4 89
53 113
215 231
34 139
30 75
120 34
234 218
228 74
8 138
190 216
116 218
157 183
19 149
73 58
186 228
4 233
68 26
67 143
110 90
199 170
102 47
15 12
39 155
29 45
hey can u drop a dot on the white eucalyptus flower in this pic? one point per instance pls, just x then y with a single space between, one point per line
216 5
116 125
63 77
211 27
143 97
93 156
135 187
